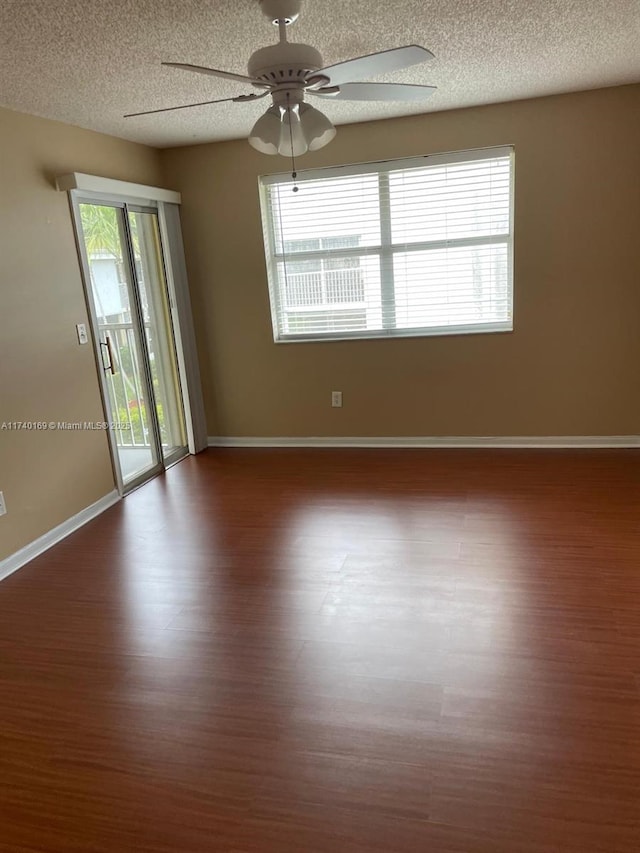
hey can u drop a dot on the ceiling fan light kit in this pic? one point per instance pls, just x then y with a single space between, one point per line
289 71
291 128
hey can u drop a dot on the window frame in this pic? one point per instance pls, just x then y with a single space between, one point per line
386 248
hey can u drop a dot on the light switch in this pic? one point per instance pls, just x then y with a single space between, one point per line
82 333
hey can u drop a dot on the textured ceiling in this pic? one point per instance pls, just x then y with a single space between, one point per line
88 63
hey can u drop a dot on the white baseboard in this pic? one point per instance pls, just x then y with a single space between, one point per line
43 543
464 441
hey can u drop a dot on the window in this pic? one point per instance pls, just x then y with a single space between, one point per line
404 247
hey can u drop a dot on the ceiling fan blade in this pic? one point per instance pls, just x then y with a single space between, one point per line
237 99
377 92
375 63
213 72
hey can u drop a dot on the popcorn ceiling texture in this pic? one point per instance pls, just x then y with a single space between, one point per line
89 63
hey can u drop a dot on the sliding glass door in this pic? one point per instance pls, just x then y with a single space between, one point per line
160 344
127 292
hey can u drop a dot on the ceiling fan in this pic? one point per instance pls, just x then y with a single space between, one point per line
289 72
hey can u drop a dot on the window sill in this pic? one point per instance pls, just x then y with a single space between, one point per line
394 334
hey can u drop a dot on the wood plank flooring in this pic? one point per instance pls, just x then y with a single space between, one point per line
313 651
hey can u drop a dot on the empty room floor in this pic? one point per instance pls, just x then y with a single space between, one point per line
281 651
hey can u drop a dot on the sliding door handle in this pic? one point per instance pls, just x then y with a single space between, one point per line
106 344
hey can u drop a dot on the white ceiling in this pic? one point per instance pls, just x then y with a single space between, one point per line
88 63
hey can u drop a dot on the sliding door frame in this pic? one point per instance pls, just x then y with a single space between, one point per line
137 198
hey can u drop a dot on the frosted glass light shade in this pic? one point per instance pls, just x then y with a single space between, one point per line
317 128
292 138
266 133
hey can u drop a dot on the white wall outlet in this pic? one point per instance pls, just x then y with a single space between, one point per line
336 399
3 506
81 329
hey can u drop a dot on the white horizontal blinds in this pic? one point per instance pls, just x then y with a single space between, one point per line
450 238
325 265
392 249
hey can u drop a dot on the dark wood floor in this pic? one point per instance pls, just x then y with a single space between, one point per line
333 651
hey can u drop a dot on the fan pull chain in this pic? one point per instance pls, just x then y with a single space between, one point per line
294 173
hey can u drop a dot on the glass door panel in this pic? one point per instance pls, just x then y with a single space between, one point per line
158 330
115 310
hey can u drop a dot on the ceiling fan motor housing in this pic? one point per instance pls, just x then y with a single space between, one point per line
284 63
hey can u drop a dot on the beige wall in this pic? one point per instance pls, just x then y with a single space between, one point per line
572 365
45 375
